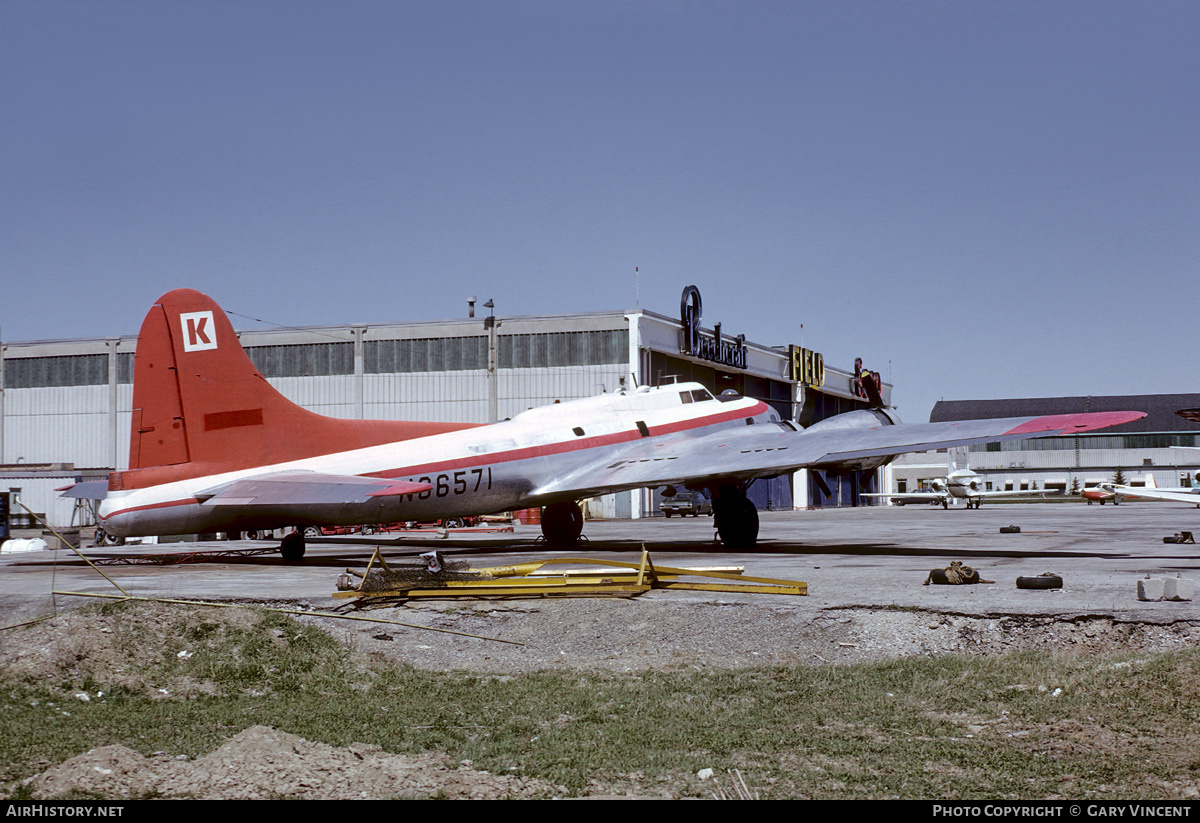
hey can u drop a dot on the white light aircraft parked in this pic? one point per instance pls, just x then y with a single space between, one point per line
214 447
1151 491
960 484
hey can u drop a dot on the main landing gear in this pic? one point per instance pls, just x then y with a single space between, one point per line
736 518
562 523
292 546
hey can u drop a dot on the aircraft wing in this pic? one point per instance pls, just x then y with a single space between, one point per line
1159 494
909 497
1017 493
305 489
768 450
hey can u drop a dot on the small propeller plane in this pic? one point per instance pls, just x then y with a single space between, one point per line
960 484
214 447
1100 493
1151 491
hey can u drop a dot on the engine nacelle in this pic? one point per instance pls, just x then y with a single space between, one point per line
858 419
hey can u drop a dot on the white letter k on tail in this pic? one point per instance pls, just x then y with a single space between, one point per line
196 327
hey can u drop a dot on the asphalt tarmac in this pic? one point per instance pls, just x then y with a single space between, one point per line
865 557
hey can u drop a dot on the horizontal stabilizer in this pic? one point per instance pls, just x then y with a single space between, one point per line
306 489
87 490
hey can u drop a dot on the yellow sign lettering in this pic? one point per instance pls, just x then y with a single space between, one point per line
807 366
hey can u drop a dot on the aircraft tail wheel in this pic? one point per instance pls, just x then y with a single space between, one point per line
292 546
103 538
562 523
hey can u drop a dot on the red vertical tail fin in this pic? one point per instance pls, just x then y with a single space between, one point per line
157 436
200 406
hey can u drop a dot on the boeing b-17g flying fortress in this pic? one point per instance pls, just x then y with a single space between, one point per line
214 447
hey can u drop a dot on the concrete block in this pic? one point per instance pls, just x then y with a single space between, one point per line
1177 588
1150 588
69 539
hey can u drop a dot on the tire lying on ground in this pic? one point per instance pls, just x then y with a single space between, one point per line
1042 581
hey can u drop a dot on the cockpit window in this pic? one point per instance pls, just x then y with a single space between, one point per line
700 395
686 397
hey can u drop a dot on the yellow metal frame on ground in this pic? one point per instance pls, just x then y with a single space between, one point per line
529 579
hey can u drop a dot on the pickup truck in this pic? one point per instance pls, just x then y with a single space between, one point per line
685 503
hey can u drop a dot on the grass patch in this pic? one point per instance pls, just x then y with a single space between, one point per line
1019 726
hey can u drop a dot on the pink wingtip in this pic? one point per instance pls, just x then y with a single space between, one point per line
1075 423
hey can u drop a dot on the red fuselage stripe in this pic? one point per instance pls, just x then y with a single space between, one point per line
168 504
567 446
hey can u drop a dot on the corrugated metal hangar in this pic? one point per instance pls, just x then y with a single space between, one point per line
65 405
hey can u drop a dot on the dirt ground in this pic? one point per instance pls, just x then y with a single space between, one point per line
261 763
582 634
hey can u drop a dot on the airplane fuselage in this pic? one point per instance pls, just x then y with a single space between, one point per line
965 484
472 471
1102 493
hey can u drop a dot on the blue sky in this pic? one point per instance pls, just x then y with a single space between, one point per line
980 199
